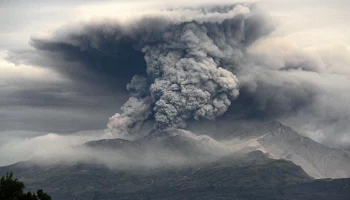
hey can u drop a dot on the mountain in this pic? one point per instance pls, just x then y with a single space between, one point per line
233 159
165 145
280 142
236 176
206 141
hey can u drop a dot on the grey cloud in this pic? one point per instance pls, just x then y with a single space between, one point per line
54 105
25 118
110 54
197 63
189 82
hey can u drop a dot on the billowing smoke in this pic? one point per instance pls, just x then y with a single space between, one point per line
190 58
137 109
188 82
186 71
180 65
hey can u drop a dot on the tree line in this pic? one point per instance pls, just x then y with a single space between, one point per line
13 189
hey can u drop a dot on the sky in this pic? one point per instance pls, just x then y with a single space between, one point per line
40 97
36 99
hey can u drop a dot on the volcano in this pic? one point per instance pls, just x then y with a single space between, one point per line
248 160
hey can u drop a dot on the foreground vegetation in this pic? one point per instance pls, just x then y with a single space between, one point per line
13 189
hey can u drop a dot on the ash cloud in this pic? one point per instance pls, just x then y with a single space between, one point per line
198 63
182 59
186 62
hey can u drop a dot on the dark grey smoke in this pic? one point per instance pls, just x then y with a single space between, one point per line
180 62
188 64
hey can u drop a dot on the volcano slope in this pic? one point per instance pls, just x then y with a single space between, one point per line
280 142
239 175
249 176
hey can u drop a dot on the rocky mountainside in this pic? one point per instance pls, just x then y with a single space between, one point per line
236 176
280 142
206 141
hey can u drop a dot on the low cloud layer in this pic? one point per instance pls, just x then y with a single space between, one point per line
48 147
98 148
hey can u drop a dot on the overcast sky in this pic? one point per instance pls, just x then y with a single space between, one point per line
36 100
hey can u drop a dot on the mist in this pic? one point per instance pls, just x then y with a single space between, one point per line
94 147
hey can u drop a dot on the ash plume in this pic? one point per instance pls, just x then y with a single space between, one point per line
186 68
199 63
190 56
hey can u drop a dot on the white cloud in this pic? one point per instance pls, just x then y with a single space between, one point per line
49 147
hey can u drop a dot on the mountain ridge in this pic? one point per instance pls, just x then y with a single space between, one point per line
281 142
237 176
209 140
